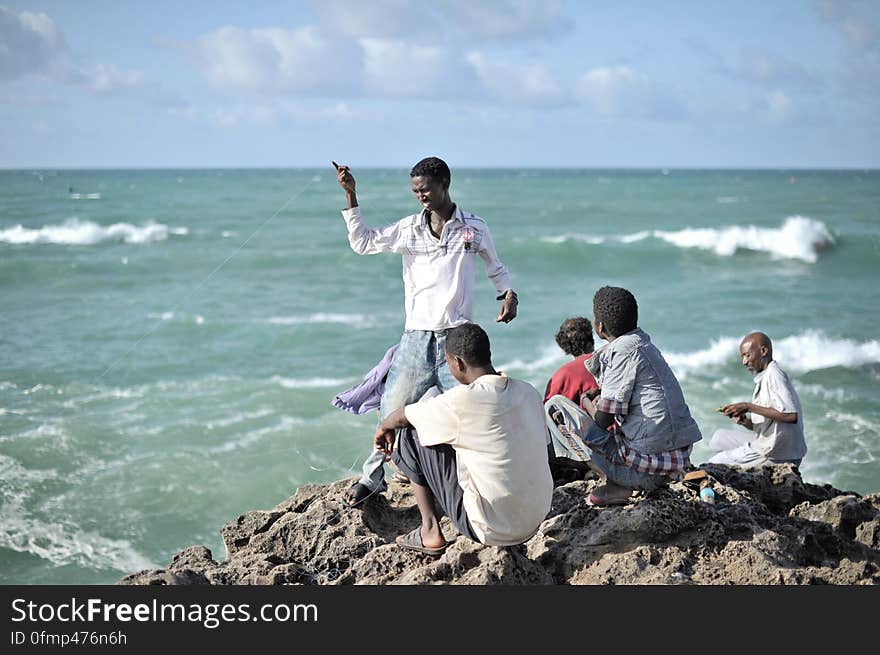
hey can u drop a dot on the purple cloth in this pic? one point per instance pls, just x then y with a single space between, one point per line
367 395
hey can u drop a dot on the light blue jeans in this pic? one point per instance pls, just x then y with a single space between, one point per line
574 435
419 364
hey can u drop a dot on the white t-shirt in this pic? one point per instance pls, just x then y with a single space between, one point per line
496 426
775 439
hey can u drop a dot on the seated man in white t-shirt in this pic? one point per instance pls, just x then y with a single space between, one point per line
480 449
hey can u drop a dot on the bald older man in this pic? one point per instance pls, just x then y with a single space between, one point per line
773 421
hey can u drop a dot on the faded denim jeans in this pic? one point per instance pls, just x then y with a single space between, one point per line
419 364
574 435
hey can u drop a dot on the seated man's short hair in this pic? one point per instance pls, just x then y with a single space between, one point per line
575 336
471 343
617 309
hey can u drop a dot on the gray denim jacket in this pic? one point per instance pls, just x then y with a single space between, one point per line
632 371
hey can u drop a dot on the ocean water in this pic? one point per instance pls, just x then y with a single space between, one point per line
170 340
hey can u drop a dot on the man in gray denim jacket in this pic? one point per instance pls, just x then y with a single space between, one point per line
642 431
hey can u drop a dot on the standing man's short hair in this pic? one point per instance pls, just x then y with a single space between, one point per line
575 336
471 343
617 309
432 167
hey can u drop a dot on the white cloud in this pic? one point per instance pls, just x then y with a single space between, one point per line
33 44
443 21
267 114
764 67
861 32
779 106
29 43
775 107
377 19
623 92
108 78
275 59
509 19
530 85
396 68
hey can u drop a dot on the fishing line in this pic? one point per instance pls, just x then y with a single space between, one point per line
308 570
158 324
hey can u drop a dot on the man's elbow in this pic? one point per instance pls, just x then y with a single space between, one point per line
360 246
790 417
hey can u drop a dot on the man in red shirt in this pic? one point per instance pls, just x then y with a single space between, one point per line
577 384
573 380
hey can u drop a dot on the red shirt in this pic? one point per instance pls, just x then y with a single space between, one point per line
571 380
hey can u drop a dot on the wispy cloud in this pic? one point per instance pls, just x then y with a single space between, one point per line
34 44
443 20
276 59
29 43
531 85
624 92
396 68
860 30
764 67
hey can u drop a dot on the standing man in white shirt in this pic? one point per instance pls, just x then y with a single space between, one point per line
773 421
439 246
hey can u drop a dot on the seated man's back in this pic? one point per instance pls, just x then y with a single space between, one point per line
496 426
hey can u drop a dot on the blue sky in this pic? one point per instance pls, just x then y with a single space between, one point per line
676 83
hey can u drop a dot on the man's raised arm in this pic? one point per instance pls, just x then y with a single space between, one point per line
346 181
363 240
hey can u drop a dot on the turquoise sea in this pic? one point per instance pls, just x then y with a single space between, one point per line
170 340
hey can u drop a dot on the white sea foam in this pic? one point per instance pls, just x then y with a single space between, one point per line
240 417
170 316
637 236
853 421
564 238
355 320
284 426
57 541
65 544
85 233
812 351
719 351
311 383
549 357
801 353
799 237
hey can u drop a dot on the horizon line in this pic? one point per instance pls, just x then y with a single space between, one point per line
462 167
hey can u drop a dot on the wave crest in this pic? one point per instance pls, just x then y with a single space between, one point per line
800 353
86 233
799 237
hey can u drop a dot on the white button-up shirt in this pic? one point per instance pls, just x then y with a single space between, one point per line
776 439
438 274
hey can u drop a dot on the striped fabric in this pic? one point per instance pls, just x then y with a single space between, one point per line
671 462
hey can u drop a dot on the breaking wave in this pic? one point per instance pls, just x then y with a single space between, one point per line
86 233
800 353
799 237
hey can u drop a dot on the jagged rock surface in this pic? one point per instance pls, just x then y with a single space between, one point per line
767 527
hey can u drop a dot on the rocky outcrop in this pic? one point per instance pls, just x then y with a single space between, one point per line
767 526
